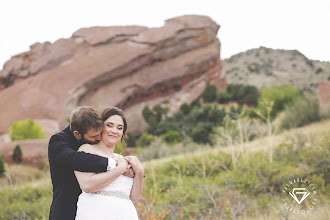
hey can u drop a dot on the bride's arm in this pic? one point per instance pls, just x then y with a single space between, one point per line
92 182
137 188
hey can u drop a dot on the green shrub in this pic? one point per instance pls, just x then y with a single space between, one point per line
243 94
120 149
302 112
68 119
254 67
17 154
280 96
201 133
2 166
251 96
159 112
149 116
223 97
200 122
168 124
145 140
26 129
210 93
131 142
185 108
184 122
154 117
195 103
172 137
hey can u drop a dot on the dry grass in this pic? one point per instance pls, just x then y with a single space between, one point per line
18 174
321 213
250 147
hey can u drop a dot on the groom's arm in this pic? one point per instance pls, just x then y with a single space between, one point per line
60 154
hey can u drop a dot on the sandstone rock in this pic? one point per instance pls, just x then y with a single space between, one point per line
99 35
196 22
30 149
324 95
128 67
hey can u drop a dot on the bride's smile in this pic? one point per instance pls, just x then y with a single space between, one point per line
113 130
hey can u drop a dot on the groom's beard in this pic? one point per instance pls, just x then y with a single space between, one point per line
83 141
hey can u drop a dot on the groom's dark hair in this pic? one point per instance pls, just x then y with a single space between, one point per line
85 118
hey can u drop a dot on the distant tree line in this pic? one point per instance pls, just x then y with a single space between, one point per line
198 119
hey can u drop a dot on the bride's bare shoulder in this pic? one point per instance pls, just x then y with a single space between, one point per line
88 148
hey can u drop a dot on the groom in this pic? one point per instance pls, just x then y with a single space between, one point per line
85 127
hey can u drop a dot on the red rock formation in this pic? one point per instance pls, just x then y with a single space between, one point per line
31 149
324 95
127 67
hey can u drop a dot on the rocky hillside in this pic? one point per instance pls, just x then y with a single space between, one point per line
264 67
128 67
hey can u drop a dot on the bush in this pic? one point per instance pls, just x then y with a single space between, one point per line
254 67
172 137
17 154
280 96
145 140
200 122
120 149
154 117
243 94
159 112
251 96
195 103
302 112
168 124
26 129
149 116
184 122
2 166
68 119
201 133
223 97
131 142
210 93
185 108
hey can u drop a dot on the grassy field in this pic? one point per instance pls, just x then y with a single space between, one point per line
235 182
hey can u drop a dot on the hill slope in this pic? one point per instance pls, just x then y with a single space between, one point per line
263 67
205 181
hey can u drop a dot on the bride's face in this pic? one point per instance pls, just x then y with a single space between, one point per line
113 129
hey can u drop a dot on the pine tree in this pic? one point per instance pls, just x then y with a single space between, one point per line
2 167
17 155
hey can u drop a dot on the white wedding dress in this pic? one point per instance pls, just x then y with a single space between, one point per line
112 202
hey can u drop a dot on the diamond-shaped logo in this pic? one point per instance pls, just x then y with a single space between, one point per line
302 193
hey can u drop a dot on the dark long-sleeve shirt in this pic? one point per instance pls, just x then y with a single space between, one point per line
63 160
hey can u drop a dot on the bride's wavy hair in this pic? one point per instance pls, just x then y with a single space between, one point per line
108 112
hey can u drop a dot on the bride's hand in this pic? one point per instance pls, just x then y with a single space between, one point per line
136 164
122 164
129 172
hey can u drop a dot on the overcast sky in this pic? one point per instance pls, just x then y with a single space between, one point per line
245 24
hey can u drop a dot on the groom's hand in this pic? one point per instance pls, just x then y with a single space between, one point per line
129 172
136 165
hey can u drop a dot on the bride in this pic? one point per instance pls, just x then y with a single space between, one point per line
116 197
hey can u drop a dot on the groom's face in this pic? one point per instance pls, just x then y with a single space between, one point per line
92 136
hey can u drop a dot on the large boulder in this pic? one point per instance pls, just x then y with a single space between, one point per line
128 67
